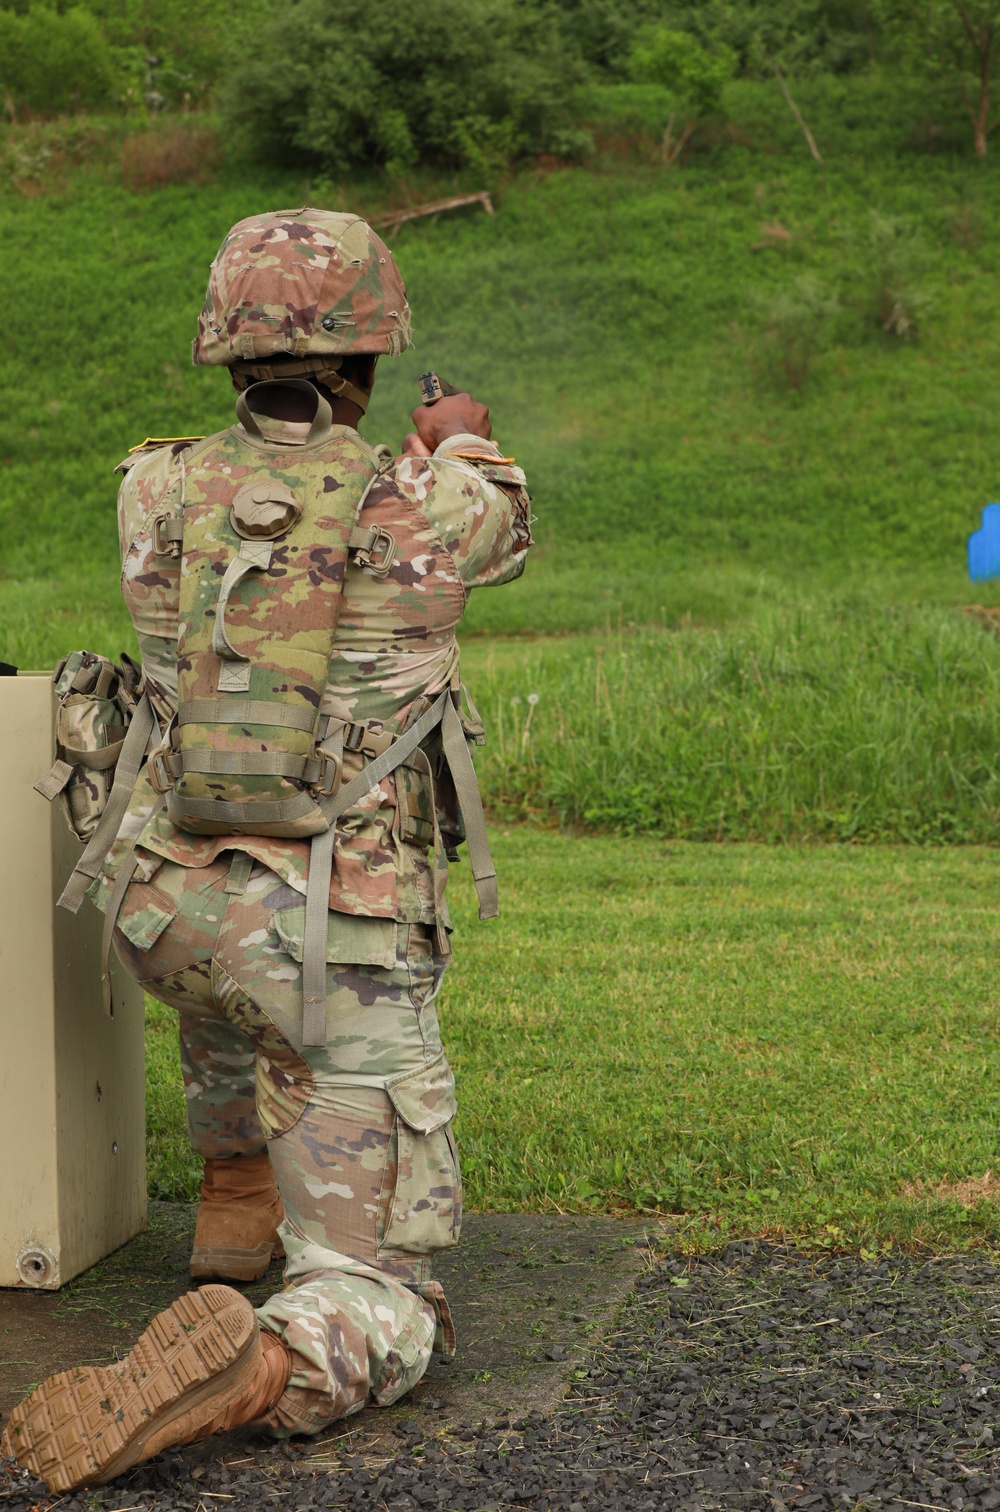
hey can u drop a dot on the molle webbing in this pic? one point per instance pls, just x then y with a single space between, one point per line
259 608
246 711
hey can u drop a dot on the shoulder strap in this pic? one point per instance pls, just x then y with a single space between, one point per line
126 872
321 868
442 711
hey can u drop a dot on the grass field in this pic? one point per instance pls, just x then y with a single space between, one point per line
761 1039
741 619
617 320
831 718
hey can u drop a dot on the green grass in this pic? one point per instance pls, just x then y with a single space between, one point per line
771 1039
761 1039
611 319
817 719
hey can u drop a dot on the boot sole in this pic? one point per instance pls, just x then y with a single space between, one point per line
234 1264
85 1426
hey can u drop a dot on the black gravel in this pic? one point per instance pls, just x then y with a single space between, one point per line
760 1377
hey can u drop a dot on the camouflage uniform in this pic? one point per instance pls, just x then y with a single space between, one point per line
358 1130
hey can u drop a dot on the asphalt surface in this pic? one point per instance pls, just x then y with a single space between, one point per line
759 1377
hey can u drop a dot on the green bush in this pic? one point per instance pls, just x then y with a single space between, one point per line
677 62
54 61
397 82
170 52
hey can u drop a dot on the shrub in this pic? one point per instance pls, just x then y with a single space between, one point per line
677 62
52 62
35 156
691 75
796 324
397 82
895 256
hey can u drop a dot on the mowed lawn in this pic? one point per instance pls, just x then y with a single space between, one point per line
796 1040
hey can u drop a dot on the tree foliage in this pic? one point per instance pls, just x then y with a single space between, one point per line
678 62
956 37
805 35
53 61
396 82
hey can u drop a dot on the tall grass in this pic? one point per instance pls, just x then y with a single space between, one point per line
816 721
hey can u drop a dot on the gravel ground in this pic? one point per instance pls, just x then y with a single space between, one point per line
760 1377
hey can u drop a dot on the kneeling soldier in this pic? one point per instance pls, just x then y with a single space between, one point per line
279 875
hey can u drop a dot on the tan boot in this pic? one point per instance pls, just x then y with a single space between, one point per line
201 1367
237 1230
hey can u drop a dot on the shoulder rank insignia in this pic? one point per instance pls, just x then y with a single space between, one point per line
477 456
154 441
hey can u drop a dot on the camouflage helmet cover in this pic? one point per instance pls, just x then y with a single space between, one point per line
303 283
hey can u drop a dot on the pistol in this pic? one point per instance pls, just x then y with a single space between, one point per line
432 388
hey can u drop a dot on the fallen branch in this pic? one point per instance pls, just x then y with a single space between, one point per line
393 219
796 112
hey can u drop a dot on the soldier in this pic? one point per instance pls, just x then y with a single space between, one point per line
296 595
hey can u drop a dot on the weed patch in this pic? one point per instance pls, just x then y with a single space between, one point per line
176 154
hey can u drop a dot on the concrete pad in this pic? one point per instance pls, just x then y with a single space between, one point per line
522 1287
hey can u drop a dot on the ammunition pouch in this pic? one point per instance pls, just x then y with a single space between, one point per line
96 702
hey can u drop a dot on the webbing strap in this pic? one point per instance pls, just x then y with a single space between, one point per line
95 761
245 764
52 784
363 538
251 711
314 938
126 872
129 761
322 420
463 775
321 867
252 556
266 811
240 868
318 906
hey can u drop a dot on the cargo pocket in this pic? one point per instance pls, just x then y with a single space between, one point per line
351 939
421 1207
145 914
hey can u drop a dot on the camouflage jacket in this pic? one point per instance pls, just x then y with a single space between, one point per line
459 524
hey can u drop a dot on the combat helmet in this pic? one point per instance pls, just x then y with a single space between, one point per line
292 292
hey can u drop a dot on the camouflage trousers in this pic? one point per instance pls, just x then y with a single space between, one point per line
359 1131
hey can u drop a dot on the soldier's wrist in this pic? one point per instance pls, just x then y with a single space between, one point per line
465 441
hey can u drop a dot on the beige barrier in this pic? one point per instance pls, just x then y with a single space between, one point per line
72 1113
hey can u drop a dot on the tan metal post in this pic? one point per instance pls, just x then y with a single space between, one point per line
72 1104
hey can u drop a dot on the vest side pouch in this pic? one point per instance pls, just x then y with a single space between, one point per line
95 704
421 1207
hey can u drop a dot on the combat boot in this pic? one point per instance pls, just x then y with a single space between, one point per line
237 1230
202 1366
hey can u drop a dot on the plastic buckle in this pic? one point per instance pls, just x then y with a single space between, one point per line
161 546
158 772
328 782
387 540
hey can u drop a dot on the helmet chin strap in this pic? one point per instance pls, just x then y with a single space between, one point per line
318 369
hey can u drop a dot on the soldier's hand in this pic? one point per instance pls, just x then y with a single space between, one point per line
414 447
450 416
